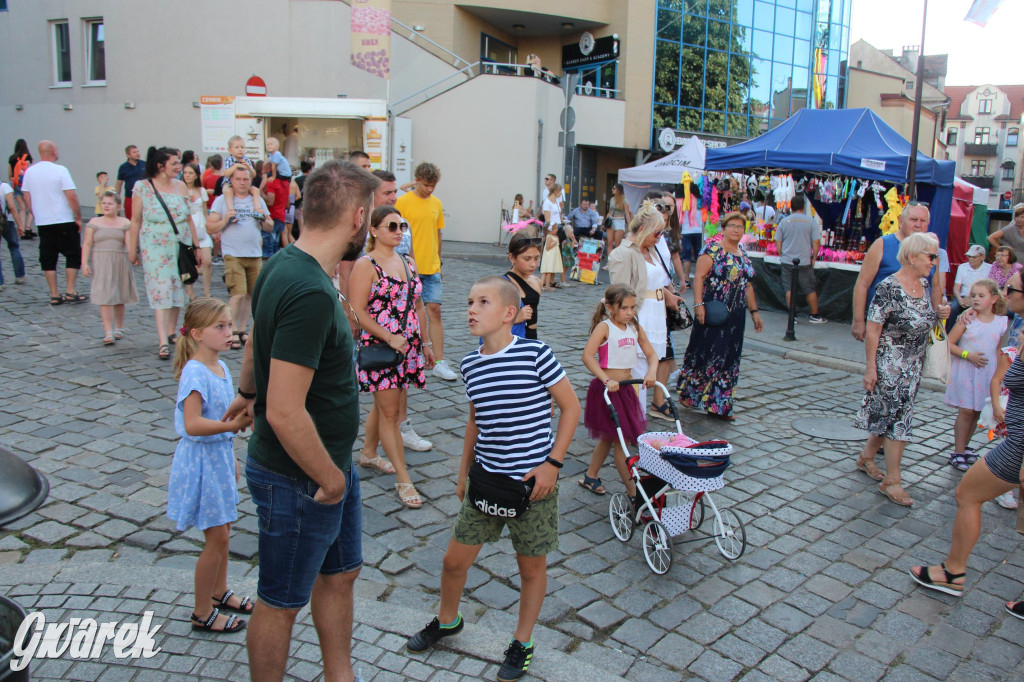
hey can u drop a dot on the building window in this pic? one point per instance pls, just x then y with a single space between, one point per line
981 135
1008 171
3 5
495 51
951 136
61 53
984 106
1011 137
95 52
978 167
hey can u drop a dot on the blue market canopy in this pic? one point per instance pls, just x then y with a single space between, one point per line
853 142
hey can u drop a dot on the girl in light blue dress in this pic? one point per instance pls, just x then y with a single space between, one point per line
203 486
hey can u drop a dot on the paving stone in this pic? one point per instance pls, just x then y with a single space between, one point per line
116 529
712 666
601 615
808 653
49 533
786 618
854 666
638 633
677 651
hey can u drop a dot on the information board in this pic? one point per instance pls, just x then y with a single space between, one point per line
218 122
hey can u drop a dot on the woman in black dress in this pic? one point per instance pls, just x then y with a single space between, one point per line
20 208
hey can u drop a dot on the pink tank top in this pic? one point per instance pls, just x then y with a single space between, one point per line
619 351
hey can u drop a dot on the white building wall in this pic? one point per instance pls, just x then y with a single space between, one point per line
163 56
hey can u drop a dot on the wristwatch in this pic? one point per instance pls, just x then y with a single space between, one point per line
554 462
247 396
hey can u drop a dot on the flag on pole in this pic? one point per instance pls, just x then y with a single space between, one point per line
981 11
371 36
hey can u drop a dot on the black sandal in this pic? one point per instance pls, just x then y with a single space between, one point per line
164 352
56 300
234 623
949 587
1015 609
592 484
236 341
172 339
75 297
245 606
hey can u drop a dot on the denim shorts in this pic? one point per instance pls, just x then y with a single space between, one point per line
300 538
432 288
690 246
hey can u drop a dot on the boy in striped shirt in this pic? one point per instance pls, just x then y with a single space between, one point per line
510 383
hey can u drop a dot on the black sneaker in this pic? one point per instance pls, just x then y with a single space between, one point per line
816 319
430 635
517 660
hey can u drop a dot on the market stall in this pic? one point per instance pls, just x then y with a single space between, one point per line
663 173
852 166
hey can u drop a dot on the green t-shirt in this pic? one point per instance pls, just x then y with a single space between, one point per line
298 318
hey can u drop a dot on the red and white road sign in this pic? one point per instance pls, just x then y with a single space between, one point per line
256 87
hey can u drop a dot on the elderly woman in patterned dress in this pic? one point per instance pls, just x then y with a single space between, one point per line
899 321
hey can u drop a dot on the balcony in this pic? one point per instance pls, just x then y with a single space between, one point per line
979 149
984 181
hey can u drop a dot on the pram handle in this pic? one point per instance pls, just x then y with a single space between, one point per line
638 382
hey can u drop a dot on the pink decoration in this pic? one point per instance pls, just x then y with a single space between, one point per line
515 227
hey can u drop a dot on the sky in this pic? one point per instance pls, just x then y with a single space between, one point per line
977 55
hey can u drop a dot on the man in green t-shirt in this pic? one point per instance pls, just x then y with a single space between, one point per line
298 379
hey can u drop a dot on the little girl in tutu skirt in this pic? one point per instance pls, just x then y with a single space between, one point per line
614 337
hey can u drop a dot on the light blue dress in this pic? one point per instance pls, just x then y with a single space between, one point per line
202 491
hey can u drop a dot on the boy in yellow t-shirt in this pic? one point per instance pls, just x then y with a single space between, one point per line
101 187
425 215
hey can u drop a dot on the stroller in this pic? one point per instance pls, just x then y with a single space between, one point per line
673 487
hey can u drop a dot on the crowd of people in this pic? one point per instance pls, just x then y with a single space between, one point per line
351 302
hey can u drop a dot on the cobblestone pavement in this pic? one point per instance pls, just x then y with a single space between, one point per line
821 592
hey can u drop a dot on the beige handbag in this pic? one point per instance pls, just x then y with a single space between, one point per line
937 362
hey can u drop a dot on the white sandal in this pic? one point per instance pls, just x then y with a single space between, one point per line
412 499
382 464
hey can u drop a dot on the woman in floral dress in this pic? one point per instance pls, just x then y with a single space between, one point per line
899 321
153 237
379 288
711 366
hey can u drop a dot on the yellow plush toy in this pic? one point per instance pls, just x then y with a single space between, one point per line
685 182
891 220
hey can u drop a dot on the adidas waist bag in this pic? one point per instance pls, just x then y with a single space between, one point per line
701 460
497 494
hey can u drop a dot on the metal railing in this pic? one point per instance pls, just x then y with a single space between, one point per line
415 35
470 71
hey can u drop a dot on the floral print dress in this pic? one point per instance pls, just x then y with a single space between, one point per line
711 366
888 409
158 246
387 303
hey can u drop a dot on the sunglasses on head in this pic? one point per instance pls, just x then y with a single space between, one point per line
395 227
915 202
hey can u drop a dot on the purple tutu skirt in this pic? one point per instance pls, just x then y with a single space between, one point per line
598 418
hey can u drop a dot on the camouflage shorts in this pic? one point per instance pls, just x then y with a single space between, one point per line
535 533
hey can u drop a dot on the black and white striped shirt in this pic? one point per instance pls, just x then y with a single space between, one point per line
509 390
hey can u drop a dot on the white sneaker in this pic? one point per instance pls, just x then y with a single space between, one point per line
413 440
672 379
1007 500
443 371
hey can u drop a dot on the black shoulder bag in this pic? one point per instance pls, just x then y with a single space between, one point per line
379 355
675 320
188 267
498 494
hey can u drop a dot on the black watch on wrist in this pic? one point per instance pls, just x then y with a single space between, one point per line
554 462
247 396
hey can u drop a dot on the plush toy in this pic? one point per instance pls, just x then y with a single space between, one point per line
877 188
685 182
891 220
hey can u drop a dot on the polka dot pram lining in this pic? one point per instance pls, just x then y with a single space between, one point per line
652 462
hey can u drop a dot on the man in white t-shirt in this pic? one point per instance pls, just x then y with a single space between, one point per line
966 275
241 244
50 196
10 230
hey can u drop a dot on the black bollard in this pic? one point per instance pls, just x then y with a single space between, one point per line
791 327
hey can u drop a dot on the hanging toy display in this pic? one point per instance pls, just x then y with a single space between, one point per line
685 182
849 200
878 188
891 220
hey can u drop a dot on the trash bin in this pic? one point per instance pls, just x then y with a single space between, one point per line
11 618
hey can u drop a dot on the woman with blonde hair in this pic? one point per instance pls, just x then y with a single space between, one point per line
635 263
711 366
898 325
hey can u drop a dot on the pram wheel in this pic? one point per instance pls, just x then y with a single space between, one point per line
730 535
657 547
620 515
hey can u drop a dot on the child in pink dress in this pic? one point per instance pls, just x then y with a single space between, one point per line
974 345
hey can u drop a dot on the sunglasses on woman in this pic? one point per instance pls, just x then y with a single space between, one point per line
1014 290
932 256
664 208
395 227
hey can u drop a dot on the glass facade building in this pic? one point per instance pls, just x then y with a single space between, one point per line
735 68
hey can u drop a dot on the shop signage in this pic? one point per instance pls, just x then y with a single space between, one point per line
218 122
371 36
872 164
256 87
590 50
668 139
401 154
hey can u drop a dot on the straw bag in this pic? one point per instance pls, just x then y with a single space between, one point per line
936 356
